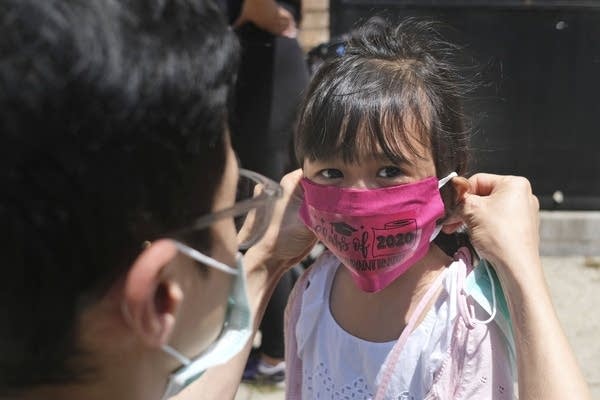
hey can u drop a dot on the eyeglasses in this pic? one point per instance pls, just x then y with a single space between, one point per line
255 199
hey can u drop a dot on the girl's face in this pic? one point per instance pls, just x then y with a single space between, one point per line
371 171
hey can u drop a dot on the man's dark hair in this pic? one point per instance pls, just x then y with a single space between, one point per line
112 121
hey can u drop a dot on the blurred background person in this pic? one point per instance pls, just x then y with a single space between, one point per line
271 79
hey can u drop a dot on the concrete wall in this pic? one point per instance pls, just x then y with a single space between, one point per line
570 233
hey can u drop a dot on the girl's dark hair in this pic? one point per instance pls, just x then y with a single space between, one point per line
392 81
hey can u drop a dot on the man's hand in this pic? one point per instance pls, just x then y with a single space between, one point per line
287 240
501 213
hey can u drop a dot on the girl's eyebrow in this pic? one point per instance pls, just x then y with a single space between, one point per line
329 159
382 157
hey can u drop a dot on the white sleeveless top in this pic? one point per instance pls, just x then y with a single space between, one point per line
324 346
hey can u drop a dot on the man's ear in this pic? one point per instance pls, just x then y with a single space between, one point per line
151 295
461 188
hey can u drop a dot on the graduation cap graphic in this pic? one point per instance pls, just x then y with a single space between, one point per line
343 228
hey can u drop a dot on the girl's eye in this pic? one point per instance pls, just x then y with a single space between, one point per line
331 173
389 172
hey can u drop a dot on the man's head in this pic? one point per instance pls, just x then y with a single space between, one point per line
112 122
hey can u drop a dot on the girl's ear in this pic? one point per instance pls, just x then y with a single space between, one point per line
461 188
152 295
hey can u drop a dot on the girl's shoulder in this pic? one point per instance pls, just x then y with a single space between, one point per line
316 280
469 354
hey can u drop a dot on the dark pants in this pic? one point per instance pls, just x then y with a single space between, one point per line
272 78
271 327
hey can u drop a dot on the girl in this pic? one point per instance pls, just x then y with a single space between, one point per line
386 313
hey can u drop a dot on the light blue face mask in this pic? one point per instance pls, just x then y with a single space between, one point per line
483 285
237 328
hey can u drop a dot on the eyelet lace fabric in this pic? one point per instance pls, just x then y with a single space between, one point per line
320 385
442 358
338 365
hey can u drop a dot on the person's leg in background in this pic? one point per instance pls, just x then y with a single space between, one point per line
271 80
271 366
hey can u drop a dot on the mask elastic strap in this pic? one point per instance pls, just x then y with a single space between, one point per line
494 305
441 183
204 259
468 313
180 357
445 180
436 231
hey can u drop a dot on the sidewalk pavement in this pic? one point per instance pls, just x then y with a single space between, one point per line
259 392
575 286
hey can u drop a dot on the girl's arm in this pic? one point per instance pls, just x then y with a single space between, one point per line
502 215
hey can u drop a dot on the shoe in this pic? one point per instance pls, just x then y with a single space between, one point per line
251 369
271 374
257 371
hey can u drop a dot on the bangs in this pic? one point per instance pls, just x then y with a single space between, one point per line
363 113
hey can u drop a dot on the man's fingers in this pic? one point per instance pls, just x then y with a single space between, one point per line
483 184
291 182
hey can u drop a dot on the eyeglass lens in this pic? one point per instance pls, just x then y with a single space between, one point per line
251 225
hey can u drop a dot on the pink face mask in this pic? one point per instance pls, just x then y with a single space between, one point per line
376 233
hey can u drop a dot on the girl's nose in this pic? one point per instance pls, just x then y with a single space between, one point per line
362 184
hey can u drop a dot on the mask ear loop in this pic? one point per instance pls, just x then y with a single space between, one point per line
446 179
441 183
180 357
196 255
493 286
